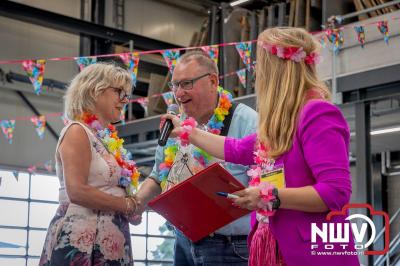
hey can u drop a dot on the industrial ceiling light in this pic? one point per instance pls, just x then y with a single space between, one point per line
385 131
238 2
380 131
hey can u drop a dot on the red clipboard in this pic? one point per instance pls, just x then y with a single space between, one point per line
193 206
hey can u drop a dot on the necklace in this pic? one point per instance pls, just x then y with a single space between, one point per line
129 176
214 126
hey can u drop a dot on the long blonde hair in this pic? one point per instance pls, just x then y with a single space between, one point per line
281 86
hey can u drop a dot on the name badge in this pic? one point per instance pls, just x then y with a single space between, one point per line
275 177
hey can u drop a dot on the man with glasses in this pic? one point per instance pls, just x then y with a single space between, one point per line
195 85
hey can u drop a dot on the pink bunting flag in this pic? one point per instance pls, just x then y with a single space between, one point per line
16 175
85 61
32 169
171 58
131 61
242 76
48 166
383 28
168 97
212 51
244 50
65 120
144 101
40 125
335 36
8 126
35 71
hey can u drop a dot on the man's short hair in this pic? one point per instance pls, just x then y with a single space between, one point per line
201 58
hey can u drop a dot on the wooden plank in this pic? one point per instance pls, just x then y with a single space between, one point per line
261 20
282 14
368 4
308 17
271 16
375 3
292 13
359 6
299 20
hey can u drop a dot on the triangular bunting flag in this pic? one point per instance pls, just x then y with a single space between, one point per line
65 120
171 58
32 169
244 50
383 28
122 116
35 71
85 61
144 101
212 51
168 97
360 35
242 76
335 36
40 125
131 61
16 175
48 166
322 41
8 126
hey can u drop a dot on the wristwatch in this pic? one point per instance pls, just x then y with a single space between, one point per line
276 203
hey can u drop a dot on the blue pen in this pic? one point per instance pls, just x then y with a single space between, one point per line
227 195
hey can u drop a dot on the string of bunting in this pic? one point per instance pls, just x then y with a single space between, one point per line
39 122
35 67
33 169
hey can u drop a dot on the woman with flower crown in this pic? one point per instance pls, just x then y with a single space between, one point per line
299 155
97 178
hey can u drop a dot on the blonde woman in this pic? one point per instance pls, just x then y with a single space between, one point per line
91 225
300 154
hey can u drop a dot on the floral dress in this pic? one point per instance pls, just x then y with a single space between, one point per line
82 236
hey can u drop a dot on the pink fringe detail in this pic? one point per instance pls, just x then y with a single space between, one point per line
263 248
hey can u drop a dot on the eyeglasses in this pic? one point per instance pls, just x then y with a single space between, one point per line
185 84
122 94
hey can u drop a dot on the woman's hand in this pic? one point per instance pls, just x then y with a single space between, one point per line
248 198
135 219
175 121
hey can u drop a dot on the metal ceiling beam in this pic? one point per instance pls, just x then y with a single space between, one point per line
36 112
72 25
51 83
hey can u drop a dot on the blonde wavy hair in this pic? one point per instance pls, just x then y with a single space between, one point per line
281 86
93 80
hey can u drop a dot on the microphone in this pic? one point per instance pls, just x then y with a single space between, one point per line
168 125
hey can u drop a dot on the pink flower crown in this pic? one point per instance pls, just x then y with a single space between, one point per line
292 53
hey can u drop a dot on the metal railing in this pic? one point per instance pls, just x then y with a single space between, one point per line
393 245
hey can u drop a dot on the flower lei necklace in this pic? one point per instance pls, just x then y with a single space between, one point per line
213 126
129 178
262 163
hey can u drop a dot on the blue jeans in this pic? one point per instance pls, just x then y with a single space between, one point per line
217 250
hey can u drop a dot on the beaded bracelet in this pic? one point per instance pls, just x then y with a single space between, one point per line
130 209
187 127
